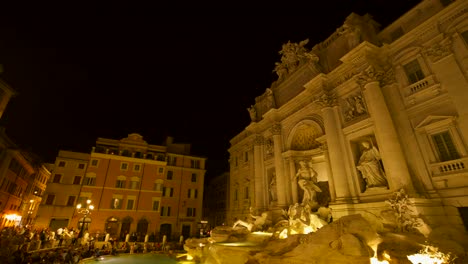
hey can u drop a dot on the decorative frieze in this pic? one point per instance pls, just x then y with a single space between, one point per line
439 50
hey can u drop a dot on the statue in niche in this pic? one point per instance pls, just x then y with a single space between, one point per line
252 113
307 180
269 147
370 167
272 188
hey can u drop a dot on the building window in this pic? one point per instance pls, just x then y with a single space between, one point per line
191 212
71 200
155 205
136 167
77 180
57 178
50 199
94 163
169 174
161 170
171 161
194 177
195 193
195 164
134 184
61 164
168 191
130 204
188 193
120 184
445 147
165 211
247 192
81 166
246 156
413 71
124 166
158 186
89 181
116 203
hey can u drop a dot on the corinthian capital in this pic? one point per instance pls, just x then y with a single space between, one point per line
326 99
371 74
276 129
258 141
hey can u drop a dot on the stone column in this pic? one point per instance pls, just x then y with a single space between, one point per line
331 182
393 159
293 181
260 201
338 176
277 147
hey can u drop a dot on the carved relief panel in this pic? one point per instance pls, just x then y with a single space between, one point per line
353 107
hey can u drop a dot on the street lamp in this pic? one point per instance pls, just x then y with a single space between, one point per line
85 211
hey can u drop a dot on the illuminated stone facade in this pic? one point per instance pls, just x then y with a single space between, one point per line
403 90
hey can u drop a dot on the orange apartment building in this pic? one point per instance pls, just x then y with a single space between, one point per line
140 189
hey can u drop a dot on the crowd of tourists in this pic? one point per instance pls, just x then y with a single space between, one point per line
23 245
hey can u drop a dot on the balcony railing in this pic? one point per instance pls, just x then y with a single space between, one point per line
448 167
419 86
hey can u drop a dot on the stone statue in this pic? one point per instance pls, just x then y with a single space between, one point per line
273 196
307 179
256 224
252 113
370 167
270 100
292 55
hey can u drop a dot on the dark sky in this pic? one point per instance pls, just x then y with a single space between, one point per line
107 70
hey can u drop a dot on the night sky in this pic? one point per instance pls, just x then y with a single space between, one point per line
107 70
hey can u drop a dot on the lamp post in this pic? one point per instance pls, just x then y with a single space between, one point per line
85 211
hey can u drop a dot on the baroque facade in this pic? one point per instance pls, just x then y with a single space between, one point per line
371 112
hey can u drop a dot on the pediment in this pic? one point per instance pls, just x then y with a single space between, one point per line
434 121
134 138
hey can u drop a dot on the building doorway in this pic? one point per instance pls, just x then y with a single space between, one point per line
165 230
125 228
